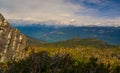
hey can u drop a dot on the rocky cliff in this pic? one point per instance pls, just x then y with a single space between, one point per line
12 42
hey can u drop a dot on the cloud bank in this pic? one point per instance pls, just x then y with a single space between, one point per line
65 12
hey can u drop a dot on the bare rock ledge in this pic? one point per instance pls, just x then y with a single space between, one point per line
12 42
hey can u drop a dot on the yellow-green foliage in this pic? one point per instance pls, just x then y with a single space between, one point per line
106 56
66 60
76 56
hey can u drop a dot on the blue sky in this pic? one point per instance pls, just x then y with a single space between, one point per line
109 8
63 12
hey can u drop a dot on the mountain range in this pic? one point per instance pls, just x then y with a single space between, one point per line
53 33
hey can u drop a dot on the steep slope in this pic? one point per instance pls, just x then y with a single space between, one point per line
12 42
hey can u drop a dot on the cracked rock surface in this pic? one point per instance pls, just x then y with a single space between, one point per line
12 42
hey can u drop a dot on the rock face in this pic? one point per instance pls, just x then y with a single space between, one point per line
12 42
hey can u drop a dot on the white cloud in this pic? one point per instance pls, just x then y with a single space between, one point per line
54 11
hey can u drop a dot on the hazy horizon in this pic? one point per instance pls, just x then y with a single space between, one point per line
62 12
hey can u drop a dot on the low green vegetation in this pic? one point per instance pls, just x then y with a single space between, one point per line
71 56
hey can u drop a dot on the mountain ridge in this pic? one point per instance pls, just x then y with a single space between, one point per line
54 33
72 43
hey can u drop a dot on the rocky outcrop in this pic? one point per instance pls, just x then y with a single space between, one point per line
12 42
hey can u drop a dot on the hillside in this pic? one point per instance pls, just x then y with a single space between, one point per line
71 56
71 43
